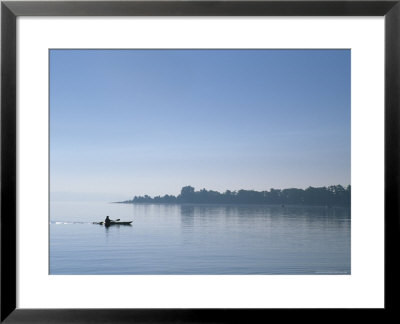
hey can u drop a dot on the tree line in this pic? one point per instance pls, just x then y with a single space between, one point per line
325 196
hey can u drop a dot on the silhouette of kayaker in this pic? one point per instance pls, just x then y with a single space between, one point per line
107 221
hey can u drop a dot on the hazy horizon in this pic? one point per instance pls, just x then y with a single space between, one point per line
127 123
77 196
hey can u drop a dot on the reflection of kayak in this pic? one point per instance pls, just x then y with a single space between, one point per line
113 223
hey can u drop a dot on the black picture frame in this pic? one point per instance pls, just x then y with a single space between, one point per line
10 10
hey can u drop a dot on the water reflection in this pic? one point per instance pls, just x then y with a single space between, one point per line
249 213
204 239
187 215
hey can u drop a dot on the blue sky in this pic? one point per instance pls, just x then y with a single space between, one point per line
135 122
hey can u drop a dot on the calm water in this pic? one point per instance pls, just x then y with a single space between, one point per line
199 239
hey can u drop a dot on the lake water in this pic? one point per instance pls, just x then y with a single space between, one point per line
199 239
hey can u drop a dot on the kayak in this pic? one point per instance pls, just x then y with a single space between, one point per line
120 223
113 223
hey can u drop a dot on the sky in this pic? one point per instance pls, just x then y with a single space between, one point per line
136 122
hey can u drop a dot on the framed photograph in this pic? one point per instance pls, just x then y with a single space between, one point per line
198 161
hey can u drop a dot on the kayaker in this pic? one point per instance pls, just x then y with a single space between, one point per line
107 221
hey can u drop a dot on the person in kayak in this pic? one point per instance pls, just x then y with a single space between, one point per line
107 221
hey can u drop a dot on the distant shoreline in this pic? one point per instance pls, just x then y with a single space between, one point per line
331 196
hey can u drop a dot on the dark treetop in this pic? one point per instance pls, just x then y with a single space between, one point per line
323 196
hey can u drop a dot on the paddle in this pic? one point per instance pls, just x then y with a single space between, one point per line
101 223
